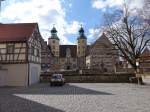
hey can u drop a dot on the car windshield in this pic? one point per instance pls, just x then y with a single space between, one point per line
56 76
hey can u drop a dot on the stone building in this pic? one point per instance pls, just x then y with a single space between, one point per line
102 55
68 57
145 61
20 54
71 57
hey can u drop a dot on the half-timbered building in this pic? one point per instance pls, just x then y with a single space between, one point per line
46 57
20 54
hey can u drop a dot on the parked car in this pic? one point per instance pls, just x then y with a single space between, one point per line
57 79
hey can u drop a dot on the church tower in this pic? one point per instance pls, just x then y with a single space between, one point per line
81 43
53 42
81 48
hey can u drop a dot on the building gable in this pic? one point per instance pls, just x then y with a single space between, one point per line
102 42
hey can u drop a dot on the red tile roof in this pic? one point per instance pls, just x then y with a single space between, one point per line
16 32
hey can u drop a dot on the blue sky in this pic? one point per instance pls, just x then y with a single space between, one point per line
67 15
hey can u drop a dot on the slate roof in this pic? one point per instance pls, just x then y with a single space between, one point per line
16 32
62 50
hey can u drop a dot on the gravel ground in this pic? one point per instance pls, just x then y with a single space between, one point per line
76 97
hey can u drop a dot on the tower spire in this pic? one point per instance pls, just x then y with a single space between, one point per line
54 33
81 33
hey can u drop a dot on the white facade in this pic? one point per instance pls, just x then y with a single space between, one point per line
19 74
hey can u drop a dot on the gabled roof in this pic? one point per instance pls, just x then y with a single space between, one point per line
16 32
102 41
73 49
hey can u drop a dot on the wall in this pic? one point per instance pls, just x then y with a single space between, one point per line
16 74
3 79
92 78
34 71
72 63
19 54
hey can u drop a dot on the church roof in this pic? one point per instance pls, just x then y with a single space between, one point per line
16 32
62 50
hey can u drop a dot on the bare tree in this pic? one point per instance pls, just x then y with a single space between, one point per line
130 35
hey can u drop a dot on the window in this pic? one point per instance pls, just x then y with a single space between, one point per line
38 52
32 50
53 41
10 48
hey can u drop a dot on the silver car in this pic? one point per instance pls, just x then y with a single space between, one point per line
57 79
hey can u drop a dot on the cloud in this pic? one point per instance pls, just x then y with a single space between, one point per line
73 27
103 4
45 12
94 33
100 4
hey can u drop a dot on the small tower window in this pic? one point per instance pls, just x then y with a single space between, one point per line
53 41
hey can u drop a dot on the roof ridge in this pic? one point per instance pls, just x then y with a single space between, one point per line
17 23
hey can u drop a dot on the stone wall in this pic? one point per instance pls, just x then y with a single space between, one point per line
92 78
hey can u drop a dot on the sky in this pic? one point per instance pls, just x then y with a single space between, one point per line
66 15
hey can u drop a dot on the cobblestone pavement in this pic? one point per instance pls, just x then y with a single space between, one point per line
76 97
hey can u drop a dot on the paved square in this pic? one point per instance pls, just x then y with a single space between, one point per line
76 97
